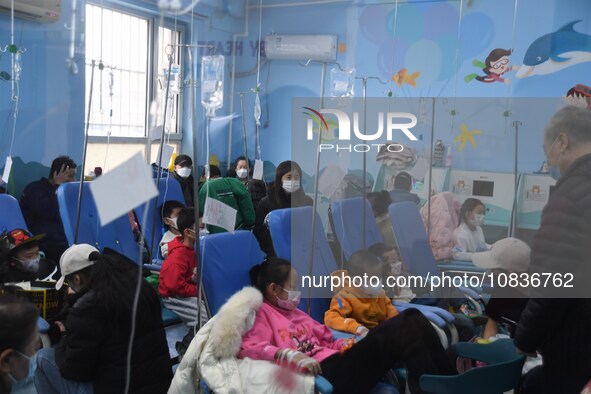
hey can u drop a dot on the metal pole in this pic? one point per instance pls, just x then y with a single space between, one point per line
315 202
364 90
244 133
196 200
84 155
511 231
158 163
430 170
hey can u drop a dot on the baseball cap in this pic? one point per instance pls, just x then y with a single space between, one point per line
183 160
74 259
11 240
510 254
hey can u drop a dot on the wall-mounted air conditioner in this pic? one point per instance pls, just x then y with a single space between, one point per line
45 11
321 48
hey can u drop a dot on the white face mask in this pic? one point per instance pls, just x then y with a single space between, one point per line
242 173
478 220
184 172
291 186
373 290
173 224
30 265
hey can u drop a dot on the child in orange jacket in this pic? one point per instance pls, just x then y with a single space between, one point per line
362 304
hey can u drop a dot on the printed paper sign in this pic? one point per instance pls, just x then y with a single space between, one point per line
167 151
123 189
156 133
7 167
257 173
219 214
330 180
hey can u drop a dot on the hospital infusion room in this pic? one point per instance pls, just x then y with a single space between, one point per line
295 196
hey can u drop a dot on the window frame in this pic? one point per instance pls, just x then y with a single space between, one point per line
152 90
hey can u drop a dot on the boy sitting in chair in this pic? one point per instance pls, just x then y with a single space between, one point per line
176 284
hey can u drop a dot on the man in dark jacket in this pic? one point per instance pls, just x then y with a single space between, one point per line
402 188
182 173
556 326
41 210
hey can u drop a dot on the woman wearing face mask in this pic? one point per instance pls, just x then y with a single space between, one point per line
20 258
256 188
182 173
292 339
468 237
19 341
286 192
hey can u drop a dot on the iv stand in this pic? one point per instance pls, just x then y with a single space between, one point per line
315 201
84 155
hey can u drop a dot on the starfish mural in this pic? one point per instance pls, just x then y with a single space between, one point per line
465 136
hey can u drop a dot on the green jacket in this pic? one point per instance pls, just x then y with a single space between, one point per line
231 192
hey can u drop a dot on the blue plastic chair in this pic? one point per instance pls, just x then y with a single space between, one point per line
347 224
502 373
12 216
116 235
290 232
226 259
409 231
282 223
414 246
168 189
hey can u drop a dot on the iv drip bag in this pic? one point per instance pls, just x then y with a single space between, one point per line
212 83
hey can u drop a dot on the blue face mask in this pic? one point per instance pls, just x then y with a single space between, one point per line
554 172
22 383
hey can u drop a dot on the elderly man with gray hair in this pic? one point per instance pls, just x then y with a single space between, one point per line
557 318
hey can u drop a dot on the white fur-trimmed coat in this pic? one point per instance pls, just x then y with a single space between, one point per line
211 357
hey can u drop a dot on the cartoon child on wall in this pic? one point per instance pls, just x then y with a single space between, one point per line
495 66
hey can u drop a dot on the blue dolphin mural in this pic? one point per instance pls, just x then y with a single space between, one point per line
556 51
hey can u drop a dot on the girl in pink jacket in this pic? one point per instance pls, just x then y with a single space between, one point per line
289 337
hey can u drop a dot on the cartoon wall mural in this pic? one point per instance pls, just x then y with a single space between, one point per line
495 66
579 96
556 51
401 38
466 136
404 77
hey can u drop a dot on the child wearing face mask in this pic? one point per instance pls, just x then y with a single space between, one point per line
468 237
169 211
283 334
286 192
20 258
356 309
176 285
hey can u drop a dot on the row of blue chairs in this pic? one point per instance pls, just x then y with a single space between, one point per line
117 235
227 258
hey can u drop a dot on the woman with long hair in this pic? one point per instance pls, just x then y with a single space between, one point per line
286 192
91 355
